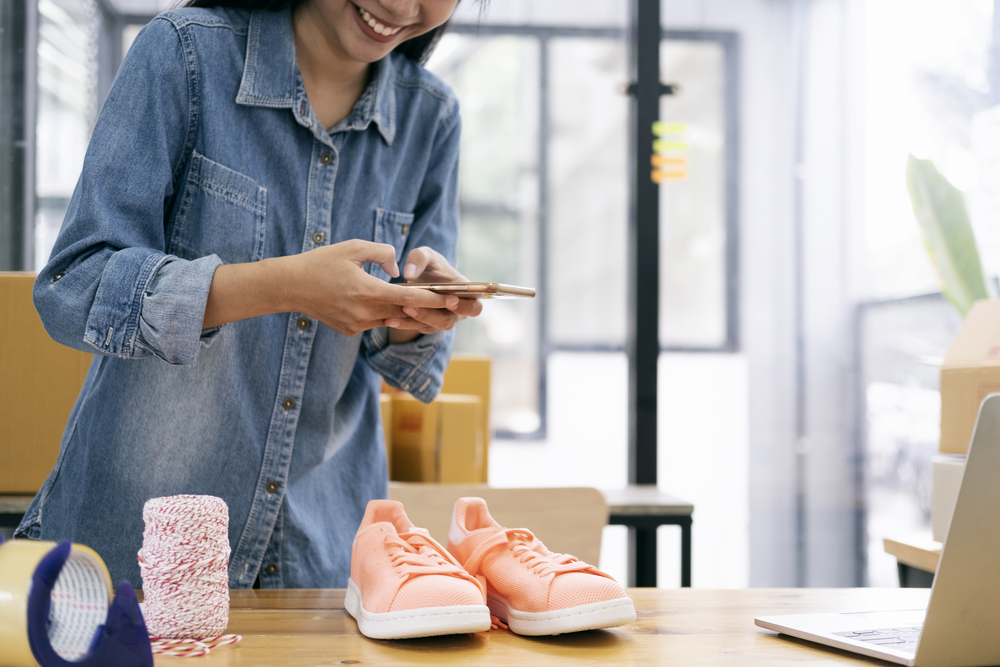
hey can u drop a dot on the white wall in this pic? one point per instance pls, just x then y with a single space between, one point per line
830 182
766 170
832 255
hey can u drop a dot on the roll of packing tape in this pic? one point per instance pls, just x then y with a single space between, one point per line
56 610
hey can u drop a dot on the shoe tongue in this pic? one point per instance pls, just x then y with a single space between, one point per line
391 512
401 523
469 516
415 541
476 538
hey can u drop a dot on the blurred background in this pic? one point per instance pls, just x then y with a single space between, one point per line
801 328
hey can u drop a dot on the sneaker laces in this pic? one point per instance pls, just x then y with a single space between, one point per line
416 553
523 544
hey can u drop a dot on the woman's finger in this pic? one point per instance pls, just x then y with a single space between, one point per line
416 262
467 308
410 324
437 319
427 264
403 323
383 254
418 298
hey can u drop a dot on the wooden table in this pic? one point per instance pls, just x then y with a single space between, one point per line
644 508
676 627
916 558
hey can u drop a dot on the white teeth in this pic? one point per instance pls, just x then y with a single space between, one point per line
375 25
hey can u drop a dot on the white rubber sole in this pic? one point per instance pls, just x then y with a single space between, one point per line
423 622
607 614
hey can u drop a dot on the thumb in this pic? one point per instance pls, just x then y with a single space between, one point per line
417 262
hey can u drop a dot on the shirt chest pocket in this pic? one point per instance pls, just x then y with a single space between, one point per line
393 228
221 213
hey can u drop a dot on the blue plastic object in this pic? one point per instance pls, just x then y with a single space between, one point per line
122 641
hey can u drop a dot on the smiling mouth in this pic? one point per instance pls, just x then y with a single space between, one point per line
379 27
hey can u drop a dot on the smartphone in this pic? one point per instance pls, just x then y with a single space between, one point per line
476 290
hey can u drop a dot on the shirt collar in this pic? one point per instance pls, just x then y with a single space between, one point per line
271 78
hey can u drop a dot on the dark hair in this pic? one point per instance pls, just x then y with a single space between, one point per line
418 48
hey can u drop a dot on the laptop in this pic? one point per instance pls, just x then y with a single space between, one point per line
961 625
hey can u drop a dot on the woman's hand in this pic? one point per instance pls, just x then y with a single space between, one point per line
426 265
328 283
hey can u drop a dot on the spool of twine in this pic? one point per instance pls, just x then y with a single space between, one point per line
184 562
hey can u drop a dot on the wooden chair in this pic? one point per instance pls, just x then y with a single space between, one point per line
567 520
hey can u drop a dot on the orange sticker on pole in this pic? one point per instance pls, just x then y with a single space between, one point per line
669 160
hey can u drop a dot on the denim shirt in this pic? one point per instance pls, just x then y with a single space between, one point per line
207 152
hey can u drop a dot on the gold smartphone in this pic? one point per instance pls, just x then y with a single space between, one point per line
476 290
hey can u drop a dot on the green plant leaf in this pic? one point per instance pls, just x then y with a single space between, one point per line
940 209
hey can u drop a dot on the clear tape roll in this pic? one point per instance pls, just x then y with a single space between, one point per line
56 608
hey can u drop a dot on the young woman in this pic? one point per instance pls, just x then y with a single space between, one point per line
258 175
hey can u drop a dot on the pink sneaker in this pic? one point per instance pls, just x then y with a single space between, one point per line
404 584
535 591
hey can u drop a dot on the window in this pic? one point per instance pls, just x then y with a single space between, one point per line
693 234
67 110
545 183
499 175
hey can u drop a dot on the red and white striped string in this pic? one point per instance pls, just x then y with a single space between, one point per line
185 582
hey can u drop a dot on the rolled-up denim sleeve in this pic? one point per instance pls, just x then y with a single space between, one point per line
418 366
109 286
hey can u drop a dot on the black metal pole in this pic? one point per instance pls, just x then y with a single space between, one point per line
644 272
18 23
644 245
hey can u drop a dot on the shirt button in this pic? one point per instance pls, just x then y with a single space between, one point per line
57 276
325 158
406 230
272 487
303 323
318 238
288 403
271 569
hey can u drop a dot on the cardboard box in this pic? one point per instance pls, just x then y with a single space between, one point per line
946 478
470 374
439 442
39 382
385 402
970 371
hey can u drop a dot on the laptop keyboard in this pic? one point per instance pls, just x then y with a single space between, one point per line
901 639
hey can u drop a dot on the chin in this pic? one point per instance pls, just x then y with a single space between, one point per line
368 52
